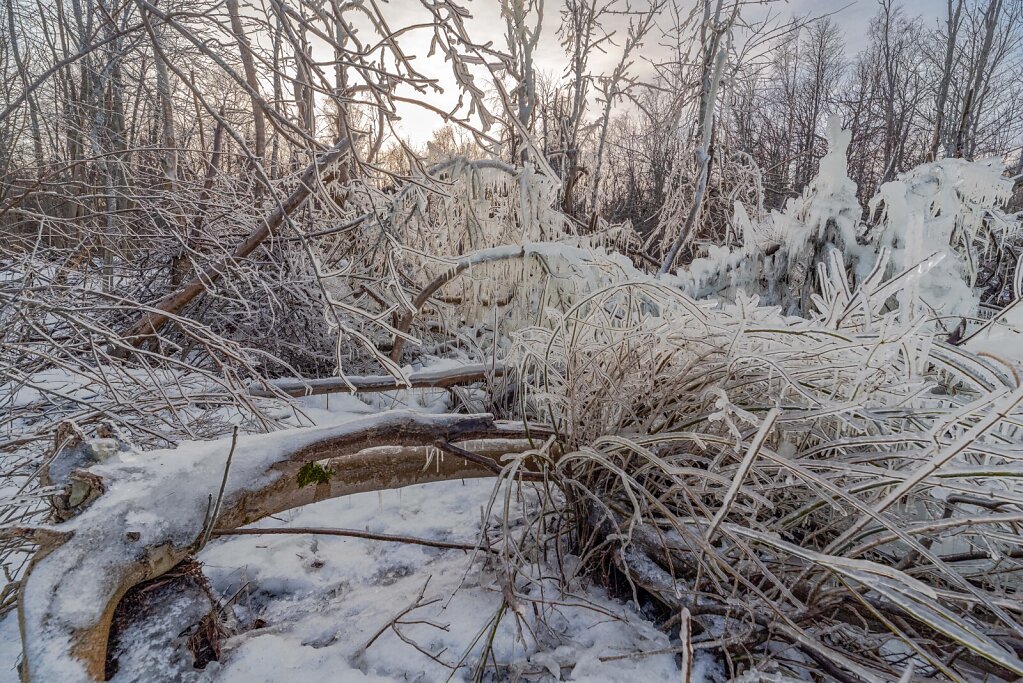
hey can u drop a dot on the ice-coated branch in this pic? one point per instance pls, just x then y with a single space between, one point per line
464 263
429 378
320 170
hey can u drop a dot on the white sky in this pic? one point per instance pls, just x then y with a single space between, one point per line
417 125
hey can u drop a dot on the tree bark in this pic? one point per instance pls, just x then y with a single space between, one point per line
58 642
970 110
249 65
33 105
952 26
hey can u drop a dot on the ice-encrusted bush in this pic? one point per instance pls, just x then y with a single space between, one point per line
947 216
500 228
841 484
780 250
943 217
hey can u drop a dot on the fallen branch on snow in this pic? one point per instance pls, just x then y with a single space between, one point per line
352 533
146 512
419 379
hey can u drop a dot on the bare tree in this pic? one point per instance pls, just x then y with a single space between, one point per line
953 23
523 27
251 79
715 32
617 85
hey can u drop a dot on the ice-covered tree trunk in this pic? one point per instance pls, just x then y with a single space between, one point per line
961 143
716 35
522 40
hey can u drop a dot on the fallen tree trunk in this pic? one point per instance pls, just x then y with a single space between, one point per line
420 379
146 512
323 169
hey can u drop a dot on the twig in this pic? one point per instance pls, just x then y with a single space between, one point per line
353 533
223 485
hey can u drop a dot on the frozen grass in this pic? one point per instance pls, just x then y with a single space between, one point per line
835 495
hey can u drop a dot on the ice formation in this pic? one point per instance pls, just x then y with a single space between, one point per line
780 251
938 221
937 217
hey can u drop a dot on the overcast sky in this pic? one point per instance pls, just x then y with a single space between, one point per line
852 16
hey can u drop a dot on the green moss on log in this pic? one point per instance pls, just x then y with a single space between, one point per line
313 473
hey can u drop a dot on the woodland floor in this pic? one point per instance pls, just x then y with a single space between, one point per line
303 608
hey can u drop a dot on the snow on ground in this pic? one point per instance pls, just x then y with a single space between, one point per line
307 605
322 599
306 608
10 648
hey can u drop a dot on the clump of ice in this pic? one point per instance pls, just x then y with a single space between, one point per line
780 251
934 215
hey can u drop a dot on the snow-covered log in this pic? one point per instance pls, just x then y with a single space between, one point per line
143 513
430 378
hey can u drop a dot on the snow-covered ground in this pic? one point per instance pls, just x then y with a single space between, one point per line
311 607
316 601
323 599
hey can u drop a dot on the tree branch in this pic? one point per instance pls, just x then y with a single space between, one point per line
152 322
420 379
